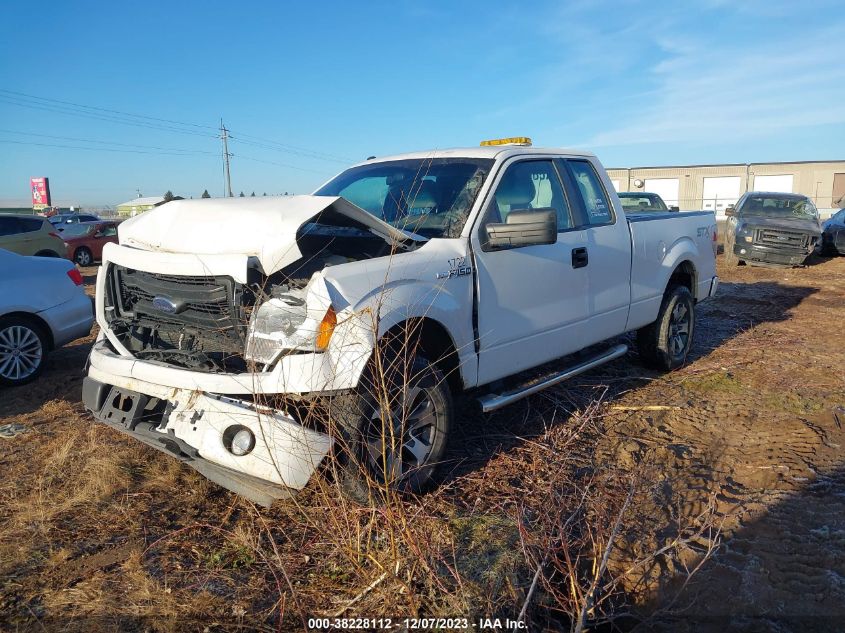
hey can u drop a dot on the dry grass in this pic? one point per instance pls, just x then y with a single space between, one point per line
559 509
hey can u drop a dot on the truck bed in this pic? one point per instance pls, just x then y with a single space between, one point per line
659 242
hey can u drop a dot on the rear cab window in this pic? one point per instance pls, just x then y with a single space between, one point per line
589 191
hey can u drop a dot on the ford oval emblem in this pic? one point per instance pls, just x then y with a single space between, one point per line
165 304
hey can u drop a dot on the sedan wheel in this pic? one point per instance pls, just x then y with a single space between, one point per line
83 257
22 351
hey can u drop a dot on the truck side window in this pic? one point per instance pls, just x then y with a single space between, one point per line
531 184
595 199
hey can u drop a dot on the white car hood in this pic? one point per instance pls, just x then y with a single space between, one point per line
264 228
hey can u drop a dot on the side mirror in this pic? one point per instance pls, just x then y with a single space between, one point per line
97 235
730 211
675 208
523 227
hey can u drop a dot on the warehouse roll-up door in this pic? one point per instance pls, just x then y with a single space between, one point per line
666 188
838 197
781 183
719 192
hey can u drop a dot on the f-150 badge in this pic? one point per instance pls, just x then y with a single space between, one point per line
457 268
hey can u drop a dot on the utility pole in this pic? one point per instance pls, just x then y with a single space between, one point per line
224 135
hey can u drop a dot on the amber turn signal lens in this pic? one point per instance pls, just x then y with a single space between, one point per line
327 326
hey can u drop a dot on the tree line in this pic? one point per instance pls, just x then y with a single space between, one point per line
168 195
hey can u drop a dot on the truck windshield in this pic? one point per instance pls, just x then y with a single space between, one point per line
431 197
779 206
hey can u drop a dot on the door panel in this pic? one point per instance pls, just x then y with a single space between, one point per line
532 302
608 243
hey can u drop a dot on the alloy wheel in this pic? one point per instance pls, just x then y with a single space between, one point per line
83 257
20 352
679 329
401 442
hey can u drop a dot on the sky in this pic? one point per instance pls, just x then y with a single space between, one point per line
112 99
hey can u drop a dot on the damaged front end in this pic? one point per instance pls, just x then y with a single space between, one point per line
201 354
217 323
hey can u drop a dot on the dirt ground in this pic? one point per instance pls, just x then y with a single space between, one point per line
102 533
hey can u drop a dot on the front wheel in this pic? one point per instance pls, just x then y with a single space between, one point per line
23 351
393 431
83 256
666 343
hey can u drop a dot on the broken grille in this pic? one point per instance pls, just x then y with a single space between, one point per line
198 322
785 239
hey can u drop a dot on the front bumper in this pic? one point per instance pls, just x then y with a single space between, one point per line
769 255
191 426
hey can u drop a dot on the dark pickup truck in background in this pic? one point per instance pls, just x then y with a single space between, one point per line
771 229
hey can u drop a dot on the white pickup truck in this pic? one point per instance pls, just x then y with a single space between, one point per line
251 338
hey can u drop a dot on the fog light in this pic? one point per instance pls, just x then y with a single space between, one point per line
742 251
239 440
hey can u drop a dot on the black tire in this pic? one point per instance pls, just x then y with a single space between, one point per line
665 343
23 350
83 256
47 254
827 250
730 241
366 449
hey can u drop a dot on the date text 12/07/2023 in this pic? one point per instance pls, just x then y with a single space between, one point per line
413 624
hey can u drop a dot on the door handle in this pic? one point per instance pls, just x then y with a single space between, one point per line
580 257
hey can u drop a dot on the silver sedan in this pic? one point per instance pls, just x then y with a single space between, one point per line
42 306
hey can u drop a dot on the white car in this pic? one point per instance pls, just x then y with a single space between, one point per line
221 319
42 307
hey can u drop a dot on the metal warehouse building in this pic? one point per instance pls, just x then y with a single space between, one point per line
714 187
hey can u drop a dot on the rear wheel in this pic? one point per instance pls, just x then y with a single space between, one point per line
47 254
393 430
83 256
23 350
665 343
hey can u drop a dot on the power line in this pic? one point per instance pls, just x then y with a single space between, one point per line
25 100
87 107
291 149
99 117
86 140
109 149
270 162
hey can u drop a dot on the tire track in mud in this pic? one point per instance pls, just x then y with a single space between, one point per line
760 432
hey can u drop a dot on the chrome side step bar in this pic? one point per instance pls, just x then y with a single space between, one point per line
492 401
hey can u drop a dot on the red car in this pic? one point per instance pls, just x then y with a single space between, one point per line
85 240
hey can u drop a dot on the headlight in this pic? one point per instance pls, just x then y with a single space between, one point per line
286 323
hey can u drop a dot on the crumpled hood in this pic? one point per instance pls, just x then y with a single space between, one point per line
787 224
264 228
